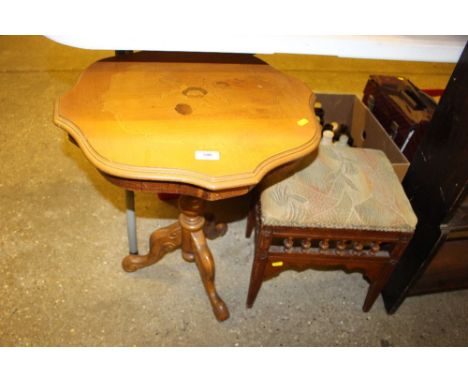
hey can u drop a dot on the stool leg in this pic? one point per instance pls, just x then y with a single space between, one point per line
376 285
250 223
379 282
131 222
262 243
256 280
252 215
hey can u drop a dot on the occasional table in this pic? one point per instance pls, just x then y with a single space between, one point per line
202 127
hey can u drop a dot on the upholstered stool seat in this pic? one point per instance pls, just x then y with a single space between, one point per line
343 187
345 208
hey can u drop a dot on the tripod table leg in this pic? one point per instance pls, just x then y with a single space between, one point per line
192 221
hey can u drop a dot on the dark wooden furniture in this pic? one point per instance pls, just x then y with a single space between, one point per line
448 269
401 108
278 249
348 235
436 184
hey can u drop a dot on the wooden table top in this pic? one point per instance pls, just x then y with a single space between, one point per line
212 125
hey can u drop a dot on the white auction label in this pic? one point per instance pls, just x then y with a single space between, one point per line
206 155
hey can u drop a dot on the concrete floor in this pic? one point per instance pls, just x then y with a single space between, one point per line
63 235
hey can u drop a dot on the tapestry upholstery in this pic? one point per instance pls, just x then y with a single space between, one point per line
339 187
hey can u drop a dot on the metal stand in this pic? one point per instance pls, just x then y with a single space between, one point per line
130 199
131 222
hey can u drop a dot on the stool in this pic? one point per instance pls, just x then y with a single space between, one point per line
343 209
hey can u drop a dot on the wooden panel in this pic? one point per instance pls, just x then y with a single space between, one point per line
147 120
435 184
175 188
448 269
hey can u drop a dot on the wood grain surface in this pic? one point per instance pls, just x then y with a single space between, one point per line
213 125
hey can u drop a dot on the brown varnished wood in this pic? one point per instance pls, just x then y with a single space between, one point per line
348 234
187 233
162 241
175 188
205 264
192 223
447 271
262 243
303 262
146 119
278 249
212 228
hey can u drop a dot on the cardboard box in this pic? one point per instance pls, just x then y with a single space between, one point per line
365 129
